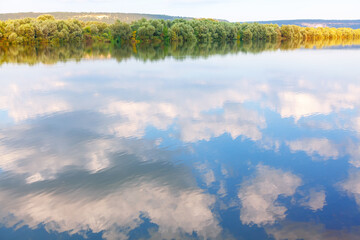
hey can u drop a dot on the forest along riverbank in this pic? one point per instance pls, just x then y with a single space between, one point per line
45 29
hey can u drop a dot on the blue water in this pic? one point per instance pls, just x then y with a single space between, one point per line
238 146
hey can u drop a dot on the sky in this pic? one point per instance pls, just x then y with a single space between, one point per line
231 10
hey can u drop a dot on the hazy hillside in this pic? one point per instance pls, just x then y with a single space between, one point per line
129 17
355 24
104 17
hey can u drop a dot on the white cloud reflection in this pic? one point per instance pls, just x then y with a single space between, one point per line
259 195
41 154
202 107
117 213
313 146
352 185
315 200
70 178
310 231
25 102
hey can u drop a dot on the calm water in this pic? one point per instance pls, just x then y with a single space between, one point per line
231 146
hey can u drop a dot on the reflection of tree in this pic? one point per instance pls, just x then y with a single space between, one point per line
146 51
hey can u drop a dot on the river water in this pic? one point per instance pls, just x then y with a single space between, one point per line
224 146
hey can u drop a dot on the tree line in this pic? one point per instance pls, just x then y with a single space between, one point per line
46 29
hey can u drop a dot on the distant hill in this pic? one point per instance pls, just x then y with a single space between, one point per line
129 17
355 24
87 16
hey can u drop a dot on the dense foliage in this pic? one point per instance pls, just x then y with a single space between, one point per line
46 29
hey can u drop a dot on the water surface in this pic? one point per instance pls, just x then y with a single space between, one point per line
195 146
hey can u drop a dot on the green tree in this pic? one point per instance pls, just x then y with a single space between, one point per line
247 35
121 31
12 37
45 17
146 32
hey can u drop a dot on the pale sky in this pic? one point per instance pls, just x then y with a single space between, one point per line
232 10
